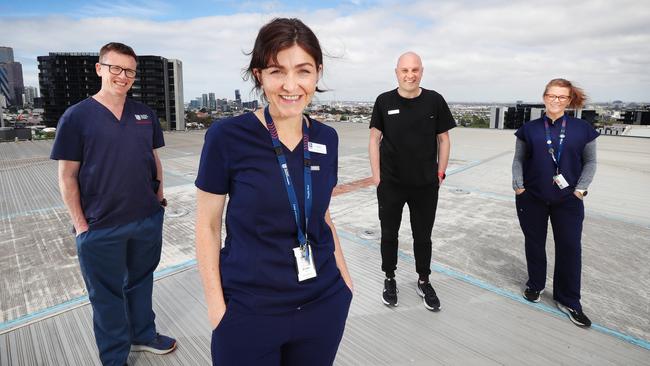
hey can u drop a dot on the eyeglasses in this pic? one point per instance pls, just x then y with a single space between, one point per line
561 98
116 70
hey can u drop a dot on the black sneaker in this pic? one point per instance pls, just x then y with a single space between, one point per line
532 295
577 316
428 294
389 296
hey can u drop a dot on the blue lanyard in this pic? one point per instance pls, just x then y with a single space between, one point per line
551 146
288 184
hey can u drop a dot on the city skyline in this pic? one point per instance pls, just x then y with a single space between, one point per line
472 51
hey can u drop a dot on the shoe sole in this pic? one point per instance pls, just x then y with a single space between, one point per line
387 303
566 311
143 348
421 294
538 297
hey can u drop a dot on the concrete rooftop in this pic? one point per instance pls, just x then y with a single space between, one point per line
478 262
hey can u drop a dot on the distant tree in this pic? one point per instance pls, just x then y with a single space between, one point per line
479 122
190 116
206 121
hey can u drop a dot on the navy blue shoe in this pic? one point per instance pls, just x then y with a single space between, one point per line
159 345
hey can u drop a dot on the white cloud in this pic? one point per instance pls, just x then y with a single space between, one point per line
472 50
122 8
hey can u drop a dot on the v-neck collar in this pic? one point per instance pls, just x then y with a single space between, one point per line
266 132
124 109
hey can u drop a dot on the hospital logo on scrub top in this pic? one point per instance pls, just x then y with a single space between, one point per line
142 119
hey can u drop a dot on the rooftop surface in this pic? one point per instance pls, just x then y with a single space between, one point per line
478 263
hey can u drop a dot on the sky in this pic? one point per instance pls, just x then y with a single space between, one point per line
472 50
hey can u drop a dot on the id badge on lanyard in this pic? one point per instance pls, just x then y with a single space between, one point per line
303 254
304 262
558 178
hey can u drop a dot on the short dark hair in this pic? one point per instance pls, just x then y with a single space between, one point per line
278 35
118 48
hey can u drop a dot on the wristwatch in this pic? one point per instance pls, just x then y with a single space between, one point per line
163 202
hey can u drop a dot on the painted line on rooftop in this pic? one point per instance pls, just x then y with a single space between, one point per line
499 291
477 162
83 300
80 301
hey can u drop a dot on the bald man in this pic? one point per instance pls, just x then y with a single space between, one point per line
409 152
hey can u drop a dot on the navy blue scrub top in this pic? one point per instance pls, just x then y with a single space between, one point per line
539 167
258 270
117 163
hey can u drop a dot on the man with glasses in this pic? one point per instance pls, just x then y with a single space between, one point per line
110 177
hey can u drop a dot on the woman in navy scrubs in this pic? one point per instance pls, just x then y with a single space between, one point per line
279 291
554 163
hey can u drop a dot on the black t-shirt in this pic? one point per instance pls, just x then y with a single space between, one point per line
409 146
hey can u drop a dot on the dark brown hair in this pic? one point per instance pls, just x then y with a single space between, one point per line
578 96
117 47
278 35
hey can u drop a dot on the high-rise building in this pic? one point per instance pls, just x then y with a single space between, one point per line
175 96
66 78
237 97
6 54
212 102
204 101
11 77
5 91
29 95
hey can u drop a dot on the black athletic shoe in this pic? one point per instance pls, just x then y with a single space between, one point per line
428 294
577 316
389 296
532 295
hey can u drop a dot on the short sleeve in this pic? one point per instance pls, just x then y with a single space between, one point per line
158 139
591 133
521 134
445 118
214 175
68 143
377 119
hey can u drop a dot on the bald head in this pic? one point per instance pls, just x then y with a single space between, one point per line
409 74
409 58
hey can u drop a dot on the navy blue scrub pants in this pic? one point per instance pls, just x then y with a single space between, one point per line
117 265
422 202
309 335
566 219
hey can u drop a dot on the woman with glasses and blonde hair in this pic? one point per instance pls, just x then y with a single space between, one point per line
554 163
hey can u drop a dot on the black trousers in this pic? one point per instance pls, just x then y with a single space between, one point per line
566 219
422 203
